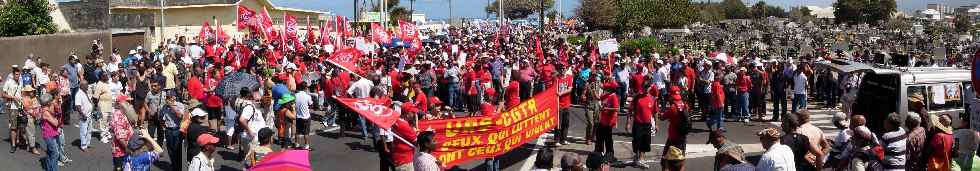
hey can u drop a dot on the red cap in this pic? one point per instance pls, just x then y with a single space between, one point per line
205 139
610 85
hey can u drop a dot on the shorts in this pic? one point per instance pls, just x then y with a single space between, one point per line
302 126
213 112
641 137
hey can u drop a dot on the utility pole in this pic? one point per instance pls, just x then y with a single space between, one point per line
384 13
163 25
541 16
500 11
450 12
355 11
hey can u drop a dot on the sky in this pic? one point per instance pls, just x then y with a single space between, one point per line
439 9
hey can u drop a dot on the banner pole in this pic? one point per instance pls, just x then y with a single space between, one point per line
400 138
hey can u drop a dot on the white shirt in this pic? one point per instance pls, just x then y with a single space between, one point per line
360 88
82 100
779 157
201 163
40 78
255 123
660 77
799 83
195 52
303 102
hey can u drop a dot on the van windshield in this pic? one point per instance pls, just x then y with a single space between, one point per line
876 98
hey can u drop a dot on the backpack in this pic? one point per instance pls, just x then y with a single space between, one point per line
685 124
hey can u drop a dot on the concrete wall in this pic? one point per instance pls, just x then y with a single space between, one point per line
53 48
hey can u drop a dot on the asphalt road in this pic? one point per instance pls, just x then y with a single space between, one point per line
336 151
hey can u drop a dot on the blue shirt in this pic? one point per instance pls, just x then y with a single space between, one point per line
141 162
72 75
496 67
278 91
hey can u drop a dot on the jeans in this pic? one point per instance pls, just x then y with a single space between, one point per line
174 147
716 118
492 164
51 162
332 111
743 105
61 144
778 104
84 133
365 128
799 102
453 93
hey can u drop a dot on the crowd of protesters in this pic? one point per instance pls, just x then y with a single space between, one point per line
148 102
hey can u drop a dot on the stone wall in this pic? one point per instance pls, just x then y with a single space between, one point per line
86 15
156 3
52 48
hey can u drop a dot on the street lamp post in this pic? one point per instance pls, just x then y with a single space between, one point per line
163 25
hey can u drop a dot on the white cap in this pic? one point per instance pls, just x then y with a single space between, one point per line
132 52
198 112
291 66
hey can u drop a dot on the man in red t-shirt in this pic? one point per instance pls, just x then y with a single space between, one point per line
607 118
743 85
402 153
564 83
513 92
643 108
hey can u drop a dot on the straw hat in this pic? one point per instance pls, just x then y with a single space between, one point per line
916 97
941 123
674 153
27 89
734 153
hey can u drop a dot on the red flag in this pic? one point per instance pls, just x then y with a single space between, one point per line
537 49
372 109
593 57
561 55
205 33
266 25
221 37
291 32
408 30
343 27
378 34
324 34
310 35
245 18
346 59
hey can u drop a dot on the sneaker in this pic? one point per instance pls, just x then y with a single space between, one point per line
641 165
61 163
745 120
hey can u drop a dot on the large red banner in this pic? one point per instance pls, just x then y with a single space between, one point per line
475 138
265 23
372 109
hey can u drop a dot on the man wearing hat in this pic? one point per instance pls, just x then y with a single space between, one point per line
196 127
30 111
733 160
607 118
941 145
778 157
140 158
204 161
675 114
402 151
673 159
717 139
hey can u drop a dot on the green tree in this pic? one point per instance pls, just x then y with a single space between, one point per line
395 12
26 17
800 14
711 12
962 23
872 12
657 13
519 8
735 9
599 14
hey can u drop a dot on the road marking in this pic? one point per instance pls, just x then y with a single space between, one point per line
696 150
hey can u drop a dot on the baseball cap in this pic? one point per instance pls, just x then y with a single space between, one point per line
136 142
198 112
206 139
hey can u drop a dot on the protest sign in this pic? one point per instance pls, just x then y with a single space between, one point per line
476 138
